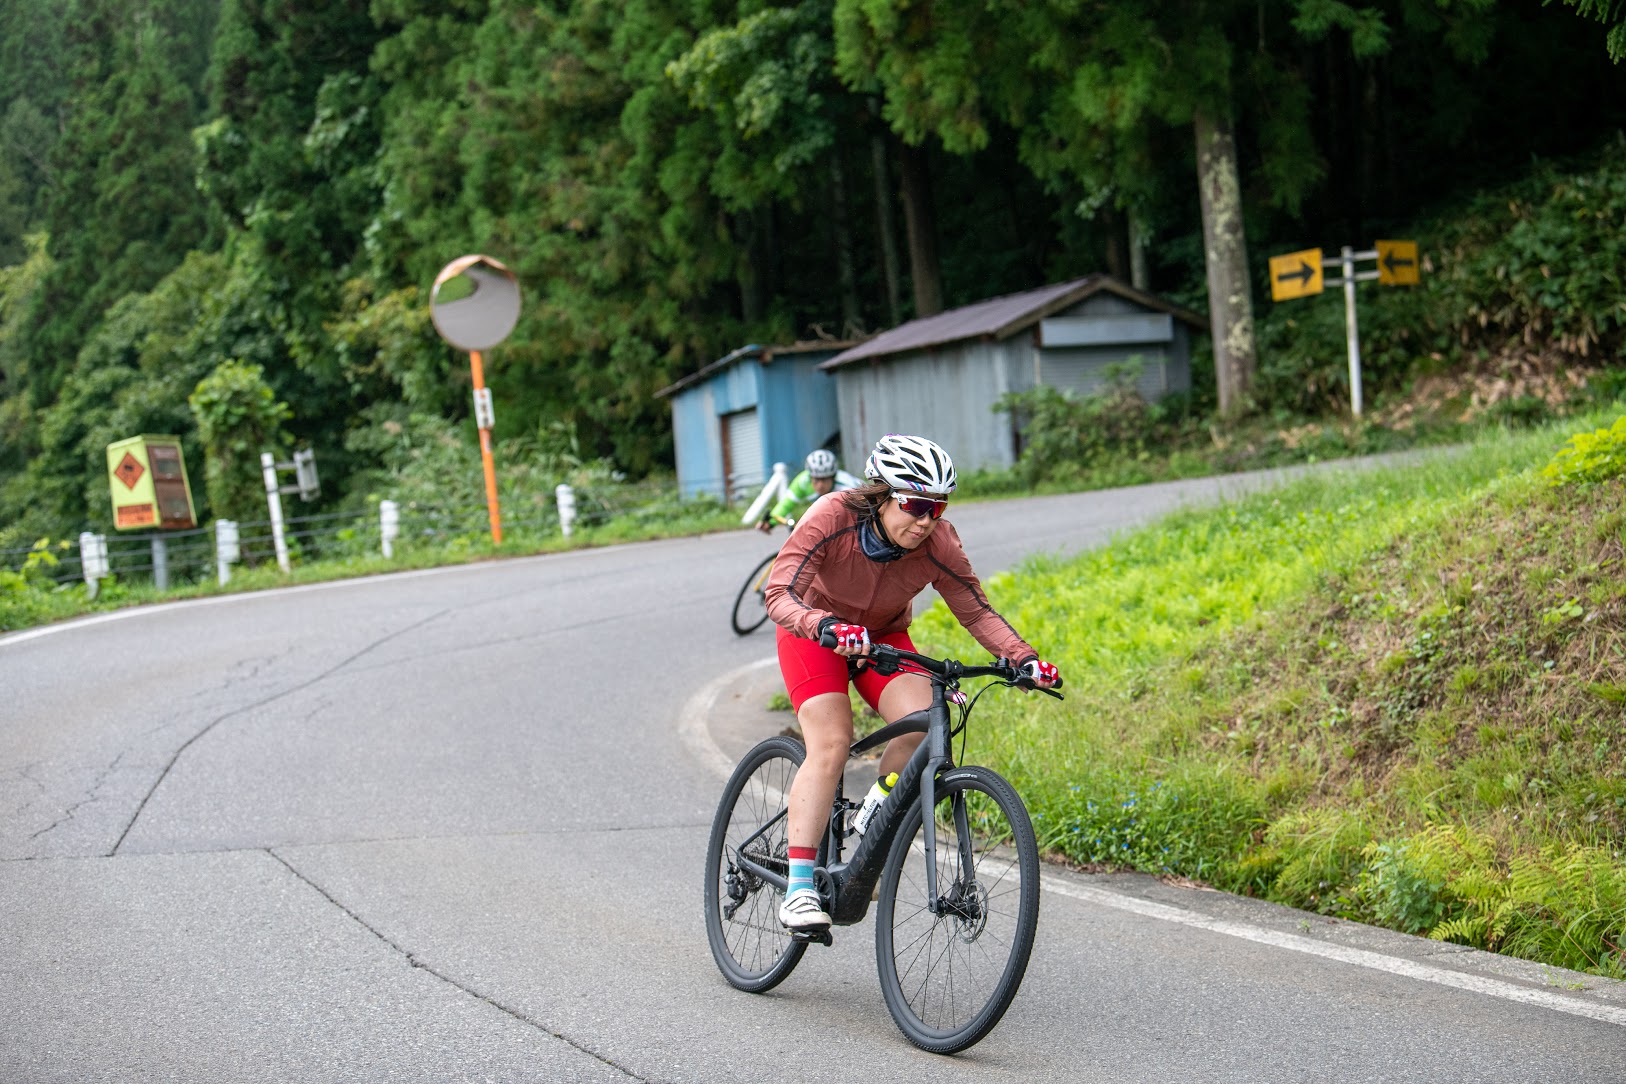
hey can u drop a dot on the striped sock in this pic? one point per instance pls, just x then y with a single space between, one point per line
801 869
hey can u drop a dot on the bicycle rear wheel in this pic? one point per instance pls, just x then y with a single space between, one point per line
753 951
949 976
751 606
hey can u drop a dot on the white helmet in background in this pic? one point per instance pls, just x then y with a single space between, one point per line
821 463
911 463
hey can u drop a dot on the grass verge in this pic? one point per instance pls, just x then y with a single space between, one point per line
1397 697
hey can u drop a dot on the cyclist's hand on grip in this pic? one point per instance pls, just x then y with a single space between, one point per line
1040 674
844 638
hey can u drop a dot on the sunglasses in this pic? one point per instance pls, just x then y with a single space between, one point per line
917 506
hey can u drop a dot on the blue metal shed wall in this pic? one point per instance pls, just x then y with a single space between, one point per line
799 407
695 440
946 395
696 428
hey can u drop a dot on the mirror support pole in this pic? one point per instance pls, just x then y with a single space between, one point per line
492 509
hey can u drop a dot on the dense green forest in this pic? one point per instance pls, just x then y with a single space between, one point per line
223 216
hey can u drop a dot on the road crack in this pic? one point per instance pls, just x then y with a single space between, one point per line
416 961
207 727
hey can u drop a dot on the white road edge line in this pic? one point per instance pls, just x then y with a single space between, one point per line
697 736
1377 961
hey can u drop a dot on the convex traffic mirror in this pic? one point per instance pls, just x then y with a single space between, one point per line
474 303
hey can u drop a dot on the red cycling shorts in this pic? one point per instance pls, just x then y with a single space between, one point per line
809 669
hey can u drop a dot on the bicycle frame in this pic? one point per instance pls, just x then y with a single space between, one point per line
851 882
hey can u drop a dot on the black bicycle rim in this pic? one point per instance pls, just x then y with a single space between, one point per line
751 605
753 951
948 978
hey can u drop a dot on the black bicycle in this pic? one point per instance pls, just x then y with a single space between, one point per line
751 604
959 890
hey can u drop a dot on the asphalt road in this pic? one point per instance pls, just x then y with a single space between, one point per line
450 826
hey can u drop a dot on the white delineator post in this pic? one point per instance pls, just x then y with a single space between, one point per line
389 526
273 499
566 497
227 550
93 559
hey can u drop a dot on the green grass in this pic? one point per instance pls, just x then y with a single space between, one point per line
1396 696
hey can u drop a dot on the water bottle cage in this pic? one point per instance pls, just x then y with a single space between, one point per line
848 809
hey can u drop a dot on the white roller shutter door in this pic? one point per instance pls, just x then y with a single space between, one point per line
743 432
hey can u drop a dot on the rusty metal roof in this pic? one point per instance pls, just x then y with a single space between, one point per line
1000 318
764 354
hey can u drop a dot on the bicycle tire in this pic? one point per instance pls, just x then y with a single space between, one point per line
948 978
753 951
751 605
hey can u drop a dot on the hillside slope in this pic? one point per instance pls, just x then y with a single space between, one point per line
1405 705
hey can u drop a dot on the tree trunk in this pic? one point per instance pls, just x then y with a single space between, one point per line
841 229
750 272
884 222
1139 277
1230 301
1116 251
920 217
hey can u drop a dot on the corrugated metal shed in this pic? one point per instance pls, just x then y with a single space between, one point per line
939 376
1001 317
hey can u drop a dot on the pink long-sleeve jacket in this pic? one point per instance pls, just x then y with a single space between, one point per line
822 571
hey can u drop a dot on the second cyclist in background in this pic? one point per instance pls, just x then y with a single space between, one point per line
820 477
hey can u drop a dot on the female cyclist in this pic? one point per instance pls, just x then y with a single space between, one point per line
852 567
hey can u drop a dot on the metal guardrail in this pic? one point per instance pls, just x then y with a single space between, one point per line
205 553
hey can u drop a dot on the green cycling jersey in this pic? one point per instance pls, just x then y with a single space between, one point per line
801 492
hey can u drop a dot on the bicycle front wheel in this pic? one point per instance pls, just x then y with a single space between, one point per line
753 951
751 607
949 971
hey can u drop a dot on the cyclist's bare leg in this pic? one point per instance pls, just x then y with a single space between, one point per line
827 731
902 695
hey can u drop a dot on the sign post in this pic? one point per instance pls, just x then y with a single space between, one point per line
474 305
146 477
1299 274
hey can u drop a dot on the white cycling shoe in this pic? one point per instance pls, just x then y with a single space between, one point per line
803 913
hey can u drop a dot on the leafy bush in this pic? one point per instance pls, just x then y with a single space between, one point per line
1064 434
1404 884
238 418
1590 457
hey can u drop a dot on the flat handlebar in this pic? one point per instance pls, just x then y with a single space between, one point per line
886 659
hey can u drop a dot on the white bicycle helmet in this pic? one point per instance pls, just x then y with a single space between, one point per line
821 463
911 463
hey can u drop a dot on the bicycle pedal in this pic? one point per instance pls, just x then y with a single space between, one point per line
813 937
